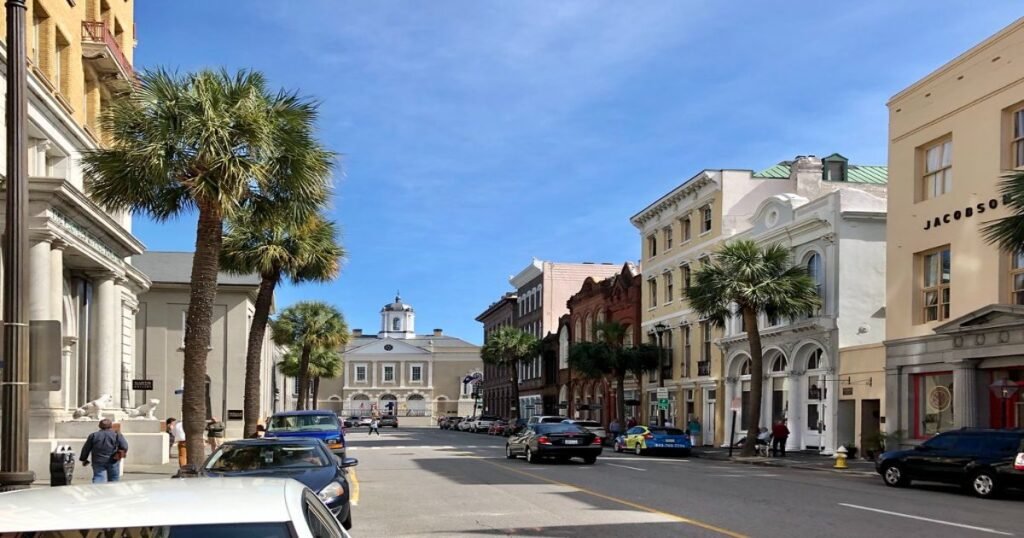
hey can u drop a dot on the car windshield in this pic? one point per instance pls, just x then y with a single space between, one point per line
264 457
228 530
294 423
560 428
667 431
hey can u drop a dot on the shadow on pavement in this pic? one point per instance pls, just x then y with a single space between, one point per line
617 530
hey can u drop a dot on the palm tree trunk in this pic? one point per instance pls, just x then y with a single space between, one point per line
515 390
303 378
253 352
620 397
198 321
753 411
316 393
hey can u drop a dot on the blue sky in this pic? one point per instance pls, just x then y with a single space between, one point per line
478 134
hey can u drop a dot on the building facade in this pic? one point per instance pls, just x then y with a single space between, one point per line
399 371
542 290
497 383
955 345
160 333
79 60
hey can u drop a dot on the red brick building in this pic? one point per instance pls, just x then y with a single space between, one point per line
496 387
616 298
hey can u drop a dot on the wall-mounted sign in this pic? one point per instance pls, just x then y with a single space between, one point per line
142 384
964 213
234 414
847 391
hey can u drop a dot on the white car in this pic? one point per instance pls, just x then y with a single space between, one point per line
591 426
178 508
483 423
467 424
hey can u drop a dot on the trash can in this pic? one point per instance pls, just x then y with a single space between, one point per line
62 466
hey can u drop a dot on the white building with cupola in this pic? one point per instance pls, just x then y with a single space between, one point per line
416 376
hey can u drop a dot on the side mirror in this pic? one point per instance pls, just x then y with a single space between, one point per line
349 462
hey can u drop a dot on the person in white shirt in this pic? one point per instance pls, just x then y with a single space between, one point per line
179 437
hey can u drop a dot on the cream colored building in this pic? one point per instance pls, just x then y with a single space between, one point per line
954 318
160 333
397 370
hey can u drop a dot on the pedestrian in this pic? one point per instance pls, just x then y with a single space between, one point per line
260 431
374 425
615 428
169 428
105 448
631 423
214 433
693 426
779 435
179 437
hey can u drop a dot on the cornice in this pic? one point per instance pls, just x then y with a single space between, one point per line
677 195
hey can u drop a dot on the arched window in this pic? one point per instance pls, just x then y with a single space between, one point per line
779 364
817 273
396 324
745 368
814 361
589 328
600 322
577 332
627 337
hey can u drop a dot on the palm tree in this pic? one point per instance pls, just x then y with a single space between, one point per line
275 249
323 364
507 347
289 365
308 326
1008 232
207 142
750 280
612 359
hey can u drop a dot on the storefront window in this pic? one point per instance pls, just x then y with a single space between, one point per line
933 403
1017 278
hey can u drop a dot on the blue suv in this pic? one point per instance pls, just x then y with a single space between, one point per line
314 424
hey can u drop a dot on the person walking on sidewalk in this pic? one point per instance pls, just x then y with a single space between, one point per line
106 448
693 426
170 432
214 433
615 429
779 435
374 425
179 437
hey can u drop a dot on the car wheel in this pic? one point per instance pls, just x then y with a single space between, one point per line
637 450
590 460
530 457
508 452
347 524
893 476
983 484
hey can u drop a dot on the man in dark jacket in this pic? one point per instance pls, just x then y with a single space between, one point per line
105 448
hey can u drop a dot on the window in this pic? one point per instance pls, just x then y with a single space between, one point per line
652 246
667 232
935 285
704 260
817 273
652 292
396 324
38 29
577 331
60 64
685 225
666 355
360 373
1017 278
667 277
589 328
705 329
814 361
416 374
1017 139
686 350
705 223
686 276
389 373
938 169
834 171
933 403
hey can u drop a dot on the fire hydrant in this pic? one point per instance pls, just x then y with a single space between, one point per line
840 458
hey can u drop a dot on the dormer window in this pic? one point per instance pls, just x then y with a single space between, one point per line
834 167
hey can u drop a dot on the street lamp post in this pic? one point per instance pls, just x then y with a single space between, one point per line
659 330
1004 389
14 471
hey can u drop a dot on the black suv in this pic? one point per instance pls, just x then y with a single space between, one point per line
980 460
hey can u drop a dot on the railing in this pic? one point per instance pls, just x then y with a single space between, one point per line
96 32
703 368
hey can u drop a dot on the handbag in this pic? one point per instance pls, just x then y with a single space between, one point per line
119 455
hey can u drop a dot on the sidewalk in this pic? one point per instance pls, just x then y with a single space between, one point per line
796 460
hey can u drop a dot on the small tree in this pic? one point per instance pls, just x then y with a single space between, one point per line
612 359
508 347
306 327
323 364
752 280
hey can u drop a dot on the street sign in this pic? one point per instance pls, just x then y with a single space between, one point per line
663 404
662 393
142 384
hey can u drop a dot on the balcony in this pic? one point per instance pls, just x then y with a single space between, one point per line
100 49
703 368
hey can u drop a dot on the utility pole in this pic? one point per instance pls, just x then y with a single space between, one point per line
14 471
659 330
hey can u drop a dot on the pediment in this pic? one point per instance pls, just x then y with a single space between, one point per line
387 346
988 317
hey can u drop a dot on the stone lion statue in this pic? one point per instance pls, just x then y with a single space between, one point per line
92 409
145 411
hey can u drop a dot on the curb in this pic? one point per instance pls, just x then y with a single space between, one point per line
769 463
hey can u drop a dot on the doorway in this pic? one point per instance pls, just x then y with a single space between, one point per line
709 416
847 423
870 425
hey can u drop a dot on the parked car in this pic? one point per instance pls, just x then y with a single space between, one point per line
497 427
265 507
981 460
546 419
389 420
514 426
318 424
641 440
352 422
452 423
591 426
466 424
553 440
307 460
365 421
483 423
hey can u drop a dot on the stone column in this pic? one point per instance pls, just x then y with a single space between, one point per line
57 280
39 281
965 395
103 365
897 410
795 411
67 352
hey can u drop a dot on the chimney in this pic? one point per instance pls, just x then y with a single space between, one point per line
806 173
357 332
438 332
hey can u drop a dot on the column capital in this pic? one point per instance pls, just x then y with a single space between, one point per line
41 236
58 244
104 274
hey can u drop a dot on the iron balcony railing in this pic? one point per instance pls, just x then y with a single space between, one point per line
97 32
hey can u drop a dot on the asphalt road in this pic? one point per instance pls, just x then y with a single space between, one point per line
428 482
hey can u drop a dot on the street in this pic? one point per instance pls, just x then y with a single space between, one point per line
420 482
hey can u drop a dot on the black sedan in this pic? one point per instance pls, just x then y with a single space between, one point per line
307 460
559 441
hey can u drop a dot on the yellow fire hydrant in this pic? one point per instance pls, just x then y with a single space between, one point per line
840 458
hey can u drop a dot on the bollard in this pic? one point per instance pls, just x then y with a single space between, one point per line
62 466
840 458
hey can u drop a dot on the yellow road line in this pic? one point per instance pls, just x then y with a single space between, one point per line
675 517
353 483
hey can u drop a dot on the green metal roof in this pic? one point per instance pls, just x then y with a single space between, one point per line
856 173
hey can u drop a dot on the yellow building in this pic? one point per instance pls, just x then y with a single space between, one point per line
953 300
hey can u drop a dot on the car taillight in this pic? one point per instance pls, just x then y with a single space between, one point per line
597 440
1018 464
648 436
543 440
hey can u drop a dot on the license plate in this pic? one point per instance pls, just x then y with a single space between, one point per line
670 441
572 441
